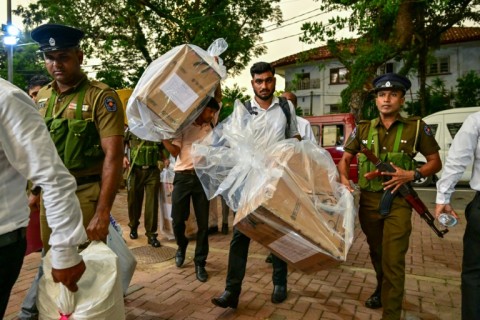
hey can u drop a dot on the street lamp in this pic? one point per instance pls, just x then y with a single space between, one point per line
10 38
10 33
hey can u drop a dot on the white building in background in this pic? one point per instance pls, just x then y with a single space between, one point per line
318 78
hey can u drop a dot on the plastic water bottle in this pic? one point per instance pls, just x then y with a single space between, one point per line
447 220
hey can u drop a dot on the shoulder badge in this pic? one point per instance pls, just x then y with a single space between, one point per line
428 131
110 104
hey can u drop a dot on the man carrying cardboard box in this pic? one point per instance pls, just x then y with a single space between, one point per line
270 127
188 186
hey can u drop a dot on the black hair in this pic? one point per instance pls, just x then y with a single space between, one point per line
261 67
213 104
38 80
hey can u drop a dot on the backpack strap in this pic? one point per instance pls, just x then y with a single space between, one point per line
283 105
286 111
248 106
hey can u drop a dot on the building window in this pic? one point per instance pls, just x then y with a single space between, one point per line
335 108
303 81
385 68
338 75
439 66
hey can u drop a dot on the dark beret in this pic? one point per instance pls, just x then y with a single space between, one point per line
391 81
53 37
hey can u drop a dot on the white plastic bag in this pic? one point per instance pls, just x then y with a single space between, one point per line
287 190
126 259
99 294
174 90
165 200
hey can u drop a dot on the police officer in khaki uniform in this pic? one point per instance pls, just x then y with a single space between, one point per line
396 140
85 119
143 179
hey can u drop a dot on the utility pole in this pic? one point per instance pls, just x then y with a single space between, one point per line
9 47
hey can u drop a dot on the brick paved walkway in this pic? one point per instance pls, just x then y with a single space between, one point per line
162 291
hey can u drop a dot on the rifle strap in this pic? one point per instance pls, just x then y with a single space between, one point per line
416 137
134 158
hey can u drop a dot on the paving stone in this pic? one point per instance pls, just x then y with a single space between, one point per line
159 290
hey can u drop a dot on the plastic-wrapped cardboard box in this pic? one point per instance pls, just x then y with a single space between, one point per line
293 217
180 89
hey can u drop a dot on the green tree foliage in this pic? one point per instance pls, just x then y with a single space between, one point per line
437 98
127 35
228 100
468 90
26 63
400 29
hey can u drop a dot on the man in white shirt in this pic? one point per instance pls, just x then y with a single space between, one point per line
27 152
303 125
464 148
270 125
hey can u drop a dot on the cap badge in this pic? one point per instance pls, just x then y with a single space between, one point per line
51 41
388 84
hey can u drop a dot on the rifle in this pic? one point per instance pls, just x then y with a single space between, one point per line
406 191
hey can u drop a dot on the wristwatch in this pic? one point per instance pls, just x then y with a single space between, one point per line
417 175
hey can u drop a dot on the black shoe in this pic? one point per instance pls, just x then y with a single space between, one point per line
269 258
133 233
225 228
375 301
226 300
279 293
201 273
213 230
152 240
180 257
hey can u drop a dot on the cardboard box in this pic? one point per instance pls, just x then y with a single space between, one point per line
291 221
178 92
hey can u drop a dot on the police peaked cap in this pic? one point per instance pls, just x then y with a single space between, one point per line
391 81
53 37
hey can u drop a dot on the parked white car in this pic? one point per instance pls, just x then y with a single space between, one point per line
445 124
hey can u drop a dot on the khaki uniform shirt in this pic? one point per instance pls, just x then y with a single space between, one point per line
100 103
425 141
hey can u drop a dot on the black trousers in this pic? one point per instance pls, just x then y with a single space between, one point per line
185 187
471 261
11 260
237 263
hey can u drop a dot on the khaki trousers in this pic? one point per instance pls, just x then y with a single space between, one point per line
87 194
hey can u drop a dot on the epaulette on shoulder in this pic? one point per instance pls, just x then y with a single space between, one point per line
100 85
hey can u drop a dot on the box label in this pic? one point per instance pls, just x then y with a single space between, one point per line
179 92
295 247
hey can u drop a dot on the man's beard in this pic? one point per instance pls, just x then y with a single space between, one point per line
264 98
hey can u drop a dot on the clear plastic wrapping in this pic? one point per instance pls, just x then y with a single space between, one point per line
174 89
286 194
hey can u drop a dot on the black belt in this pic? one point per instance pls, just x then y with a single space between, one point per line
88 179
12 236
186 172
